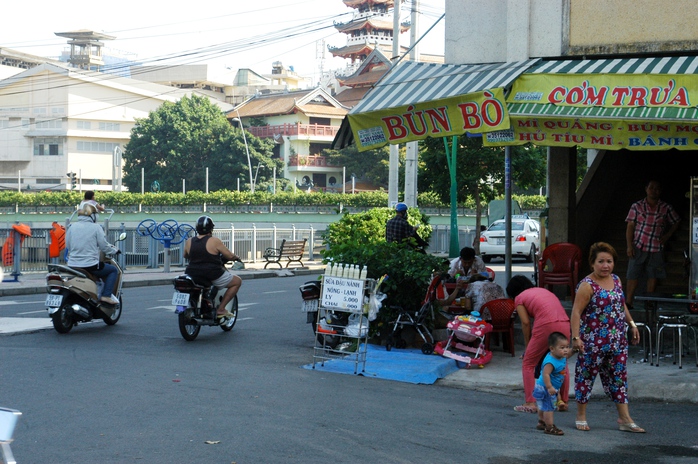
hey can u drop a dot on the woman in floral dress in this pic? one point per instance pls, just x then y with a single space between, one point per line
599 323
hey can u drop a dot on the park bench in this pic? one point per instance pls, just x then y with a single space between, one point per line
292 250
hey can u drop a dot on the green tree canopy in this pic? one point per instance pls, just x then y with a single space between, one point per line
180 140
370 166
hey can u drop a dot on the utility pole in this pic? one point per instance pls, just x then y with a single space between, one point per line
394 159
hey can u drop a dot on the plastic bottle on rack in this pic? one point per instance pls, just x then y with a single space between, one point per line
329 268
342 270
363 273
355 272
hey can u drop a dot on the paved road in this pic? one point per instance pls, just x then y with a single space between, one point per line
137 392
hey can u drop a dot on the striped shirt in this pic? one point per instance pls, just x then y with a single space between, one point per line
651 224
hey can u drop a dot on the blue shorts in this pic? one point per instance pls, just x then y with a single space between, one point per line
544 400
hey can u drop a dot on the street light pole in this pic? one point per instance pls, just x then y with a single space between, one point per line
254 184
247 150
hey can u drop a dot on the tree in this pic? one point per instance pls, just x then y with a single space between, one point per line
370 166
180 140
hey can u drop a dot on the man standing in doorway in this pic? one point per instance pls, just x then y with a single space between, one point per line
651 222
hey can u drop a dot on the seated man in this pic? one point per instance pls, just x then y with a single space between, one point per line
204 253
467 264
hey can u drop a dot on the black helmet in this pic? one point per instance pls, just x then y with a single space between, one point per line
204 225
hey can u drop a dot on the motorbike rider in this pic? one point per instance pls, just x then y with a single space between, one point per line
204 253
84 240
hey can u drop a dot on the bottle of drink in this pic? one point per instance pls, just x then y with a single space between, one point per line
354 271
340 273
329 268
364 272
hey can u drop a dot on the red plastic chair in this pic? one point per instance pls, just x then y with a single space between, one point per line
559 265
502 313
491 273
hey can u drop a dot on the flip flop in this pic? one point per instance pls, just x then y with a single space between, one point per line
631 427
524 408
582 425
225 314
562 406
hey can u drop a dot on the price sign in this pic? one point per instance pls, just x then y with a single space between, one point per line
341 293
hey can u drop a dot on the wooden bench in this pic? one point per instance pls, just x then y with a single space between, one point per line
292 250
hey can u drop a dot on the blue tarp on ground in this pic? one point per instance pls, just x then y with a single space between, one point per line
402 365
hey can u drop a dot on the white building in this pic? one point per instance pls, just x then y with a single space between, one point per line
55 119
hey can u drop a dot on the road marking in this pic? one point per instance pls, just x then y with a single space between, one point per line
32 312
277 291
13 302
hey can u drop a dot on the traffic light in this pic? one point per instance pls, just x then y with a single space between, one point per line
73 180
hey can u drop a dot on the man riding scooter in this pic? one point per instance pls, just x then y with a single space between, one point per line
84 240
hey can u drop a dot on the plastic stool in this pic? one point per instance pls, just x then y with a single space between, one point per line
677 325
646 340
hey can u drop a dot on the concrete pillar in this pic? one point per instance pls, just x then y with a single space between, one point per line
393 172
411 158
562 200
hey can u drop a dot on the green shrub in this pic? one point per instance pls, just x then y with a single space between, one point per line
360 239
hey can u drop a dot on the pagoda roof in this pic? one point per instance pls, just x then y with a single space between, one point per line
349 50
369 23
358 3
85 34
312 102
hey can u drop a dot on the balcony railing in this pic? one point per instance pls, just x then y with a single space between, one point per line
309 160
308 130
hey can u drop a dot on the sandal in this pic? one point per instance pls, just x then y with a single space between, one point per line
582 425
225 314
631 427
541 425
524 408
562 406
552 430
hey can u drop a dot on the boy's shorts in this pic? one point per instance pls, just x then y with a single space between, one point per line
544 400
651 263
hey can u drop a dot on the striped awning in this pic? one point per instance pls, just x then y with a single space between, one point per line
413 86
612 104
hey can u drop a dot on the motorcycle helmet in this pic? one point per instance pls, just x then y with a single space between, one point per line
400 207
204 225
88 210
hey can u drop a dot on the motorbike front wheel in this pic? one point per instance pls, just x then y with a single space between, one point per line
188 327
63 318
228 323
117 314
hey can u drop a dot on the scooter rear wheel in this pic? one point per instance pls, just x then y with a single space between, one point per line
63 318
116 316
228 323
188 328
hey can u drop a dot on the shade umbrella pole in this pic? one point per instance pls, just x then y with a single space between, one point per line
454 246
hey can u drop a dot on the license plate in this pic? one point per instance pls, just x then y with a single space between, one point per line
499 241
180 299
310 305
53 301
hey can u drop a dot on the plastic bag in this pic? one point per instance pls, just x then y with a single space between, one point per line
375 303
357 326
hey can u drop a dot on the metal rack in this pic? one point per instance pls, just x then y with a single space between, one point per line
343 299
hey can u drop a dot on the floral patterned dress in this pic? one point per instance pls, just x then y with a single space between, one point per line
603 332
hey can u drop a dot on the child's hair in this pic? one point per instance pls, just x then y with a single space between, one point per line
556 337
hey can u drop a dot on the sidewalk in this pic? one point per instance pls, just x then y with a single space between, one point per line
665 383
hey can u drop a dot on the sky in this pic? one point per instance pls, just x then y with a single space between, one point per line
222 33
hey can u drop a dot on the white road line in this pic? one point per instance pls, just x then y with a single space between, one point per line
277 291
32 312
13 302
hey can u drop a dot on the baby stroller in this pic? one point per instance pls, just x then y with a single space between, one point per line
416 319
462 330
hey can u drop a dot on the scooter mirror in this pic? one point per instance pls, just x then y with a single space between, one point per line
122 237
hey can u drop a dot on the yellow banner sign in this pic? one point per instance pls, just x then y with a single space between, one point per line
478 112
598 134
606 90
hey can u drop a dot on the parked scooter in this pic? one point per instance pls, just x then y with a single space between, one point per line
195 305
73 295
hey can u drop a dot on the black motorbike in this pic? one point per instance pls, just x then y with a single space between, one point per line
195 305
328 326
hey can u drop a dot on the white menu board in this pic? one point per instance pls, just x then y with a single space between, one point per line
342 293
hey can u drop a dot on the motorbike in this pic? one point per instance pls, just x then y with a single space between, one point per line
195 305
73 295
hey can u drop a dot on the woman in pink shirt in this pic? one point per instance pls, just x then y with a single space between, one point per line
545 309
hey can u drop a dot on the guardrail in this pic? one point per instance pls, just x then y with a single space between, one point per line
248 243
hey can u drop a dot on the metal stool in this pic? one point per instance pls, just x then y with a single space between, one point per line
678 325
646 340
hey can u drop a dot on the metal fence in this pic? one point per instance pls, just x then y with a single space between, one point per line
248 243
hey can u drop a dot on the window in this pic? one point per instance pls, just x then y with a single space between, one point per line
49 124
99 147
109 126
85 125
48 147
49 181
